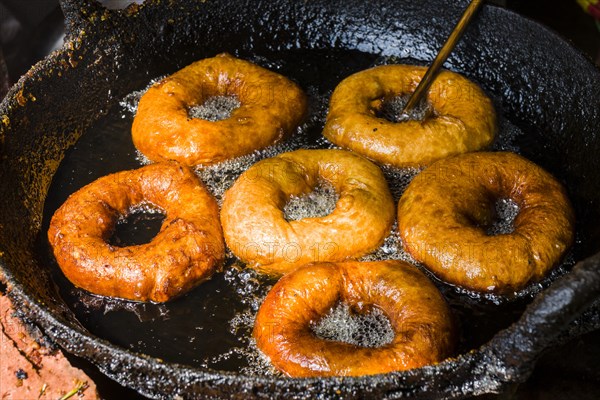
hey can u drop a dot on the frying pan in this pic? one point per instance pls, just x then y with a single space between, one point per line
544 86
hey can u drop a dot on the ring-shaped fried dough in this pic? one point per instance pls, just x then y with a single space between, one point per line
186 251
421 320
257 232
463 118
445 211
271 106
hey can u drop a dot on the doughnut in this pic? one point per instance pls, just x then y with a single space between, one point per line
421 320
463 118
186 251
271 106
258 233
444 214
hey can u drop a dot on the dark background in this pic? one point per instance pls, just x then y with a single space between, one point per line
31 29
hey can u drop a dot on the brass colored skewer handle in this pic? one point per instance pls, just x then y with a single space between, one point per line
443 54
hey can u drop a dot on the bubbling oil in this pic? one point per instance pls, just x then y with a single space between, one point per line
129 103
362 329
371 329
215 108
393 110
250 289
219 177
506 213
391 249
318 203
212 326
398 179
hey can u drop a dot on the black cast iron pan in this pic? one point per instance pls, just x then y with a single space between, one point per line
543 85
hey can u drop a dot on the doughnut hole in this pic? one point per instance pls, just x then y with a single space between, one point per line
506 211
495 215
391 109
215 108
362 326
320 202
139 226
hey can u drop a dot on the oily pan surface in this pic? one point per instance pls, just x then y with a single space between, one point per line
45 114
229 300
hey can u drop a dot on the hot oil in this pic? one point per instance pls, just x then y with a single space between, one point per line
216 108
318 203
363 329
139 226
211 326
393 110
506 212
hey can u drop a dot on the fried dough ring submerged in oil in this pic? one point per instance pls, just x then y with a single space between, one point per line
445 210
271 106
257 232
421 320
463 117
186 251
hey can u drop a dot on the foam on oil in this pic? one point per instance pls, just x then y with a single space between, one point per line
393 110
219 177
215 108
506 213
129 103
211 326
318 203
369 329
340 324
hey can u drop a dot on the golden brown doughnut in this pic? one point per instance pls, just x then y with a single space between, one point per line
463 117
186 251
257 232
445 210
418 314
271 107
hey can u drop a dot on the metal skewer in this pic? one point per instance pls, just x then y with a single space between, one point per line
443 54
